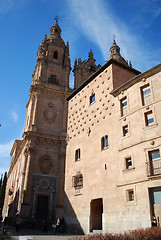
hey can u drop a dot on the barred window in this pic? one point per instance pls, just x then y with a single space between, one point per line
77 180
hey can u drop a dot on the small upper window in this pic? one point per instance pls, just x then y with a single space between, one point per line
146 94
53 79
128 163
55 55
130 195
149 119
125 130
92 98
91 68
104 142
123 106
77 154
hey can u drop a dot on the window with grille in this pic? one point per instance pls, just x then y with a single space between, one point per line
77 180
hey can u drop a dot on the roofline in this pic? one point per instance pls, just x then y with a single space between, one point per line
136 79
14 145
100 70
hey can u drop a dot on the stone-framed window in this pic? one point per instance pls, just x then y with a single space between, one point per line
125 130
154 164
149 118
77 180
129 195
77 155
128 163
123 105
146 95
104 142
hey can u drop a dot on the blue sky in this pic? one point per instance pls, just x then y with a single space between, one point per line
86 24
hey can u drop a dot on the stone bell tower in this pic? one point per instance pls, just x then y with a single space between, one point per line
84 69
44 137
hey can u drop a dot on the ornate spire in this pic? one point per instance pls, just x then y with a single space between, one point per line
55 30
90 54
115 53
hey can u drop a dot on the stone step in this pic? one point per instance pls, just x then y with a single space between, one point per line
97 231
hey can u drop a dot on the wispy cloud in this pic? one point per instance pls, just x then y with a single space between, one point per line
98 22
8 5
14 116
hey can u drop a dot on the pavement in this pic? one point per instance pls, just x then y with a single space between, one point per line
28 234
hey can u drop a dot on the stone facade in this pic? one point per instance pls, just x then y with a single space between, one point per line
95 158
113 164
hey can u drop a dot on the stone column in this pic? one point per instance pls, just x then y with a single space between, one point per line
34 111
28 177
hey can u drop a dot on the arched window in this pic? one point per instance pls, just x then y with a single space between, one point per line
55 55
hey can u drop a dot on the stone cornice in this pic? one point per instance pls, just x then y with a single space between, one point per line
29 134
136 79
138 143
23 142
15 145
41 88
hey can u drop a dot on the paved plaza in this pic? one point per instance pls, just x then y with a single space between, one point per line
28 234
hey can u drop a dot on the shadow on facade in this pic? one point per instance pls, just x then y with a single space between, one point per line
13 207
71 221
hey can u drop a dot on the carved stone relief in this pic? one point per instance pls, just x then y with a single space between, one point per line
45 164
50 113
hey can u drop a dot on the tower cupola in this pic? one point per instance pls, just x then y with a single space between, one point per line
115 53
55 31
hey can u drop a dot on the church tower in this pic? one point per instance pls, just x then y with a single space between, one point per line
83 70
45 128
36 175
35 185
